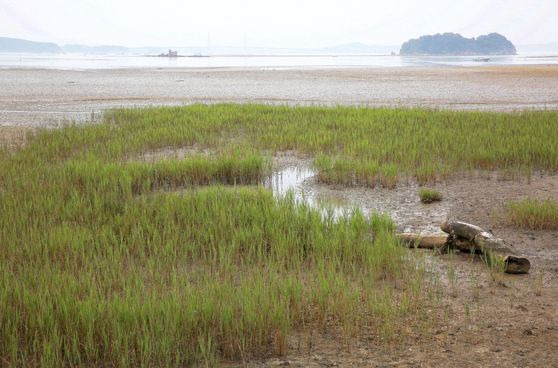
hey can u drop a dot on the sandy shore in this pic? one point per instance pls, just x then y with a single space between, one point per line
34 97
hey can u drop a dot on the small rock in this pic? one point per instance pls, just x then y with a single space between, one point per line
528 332
482 350
279 363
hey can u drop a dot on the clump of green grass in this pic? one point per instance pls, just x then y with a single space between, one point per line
169 174
354 173
533 214
428 195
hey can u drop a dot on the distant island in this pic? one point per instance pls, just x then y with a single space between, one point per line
455 44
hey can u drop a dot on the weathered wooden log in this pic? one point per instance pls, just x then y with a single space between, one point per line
461 229
464 235
423 241
460 244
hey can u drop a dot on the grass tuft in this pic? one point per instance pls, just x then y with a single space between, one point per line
428 195
533 214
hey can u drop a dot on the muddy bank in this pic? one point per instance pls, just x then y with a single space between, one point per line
479 319
34 97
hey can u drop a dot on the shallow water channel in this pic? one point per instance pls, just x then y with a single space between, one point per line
402 203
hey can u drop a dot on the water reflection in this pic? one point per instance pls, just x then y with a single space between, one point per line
402 204
296 181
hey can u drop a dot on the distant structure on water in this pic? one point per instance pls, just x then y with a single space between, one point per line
169 54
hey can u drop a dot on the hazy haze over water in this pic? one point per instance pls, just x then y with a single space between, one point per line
64 61
285 23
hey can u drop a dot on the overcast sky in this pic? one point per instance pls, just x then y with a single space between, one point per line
273 23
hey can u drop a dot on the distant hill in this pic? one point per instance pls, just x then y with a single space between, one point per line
455 44
96 50
18 45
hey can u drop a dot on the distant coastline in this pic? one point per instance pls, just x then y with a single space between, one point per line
25 46
15 45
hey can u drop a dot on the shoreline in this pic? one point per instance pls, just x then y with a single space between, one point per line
296 68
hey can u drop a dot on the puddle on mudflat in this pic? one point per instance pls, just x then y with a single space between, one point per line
298 180
290 178
402 203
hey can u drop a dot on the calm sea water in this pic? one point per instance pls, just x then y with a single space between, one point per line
69 61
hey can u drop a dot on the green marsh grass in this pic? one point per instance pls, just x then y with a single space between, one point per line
533 214
428 195
354 146
101 266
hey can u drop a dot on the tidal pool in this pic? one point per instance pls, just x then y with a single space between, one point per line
402 203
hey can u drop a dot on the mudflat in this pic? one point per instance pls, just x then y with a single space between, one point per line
43 97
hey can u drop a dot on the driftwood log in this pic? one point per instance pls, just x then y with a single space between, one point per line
467 237
472 239
423 241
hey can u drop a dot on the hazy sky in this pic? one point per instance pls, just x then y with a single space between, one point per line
273 23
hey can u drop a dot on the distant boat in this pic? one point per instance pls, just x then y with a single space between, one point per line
483 60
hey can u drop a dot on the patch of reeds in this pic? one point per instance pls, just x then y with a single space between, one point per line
533 214
359 146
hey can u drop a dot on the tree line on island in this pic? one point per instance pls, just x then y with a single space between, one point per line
456 44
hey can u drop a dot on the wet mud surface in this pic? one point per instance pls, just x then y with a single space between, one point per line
44 97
